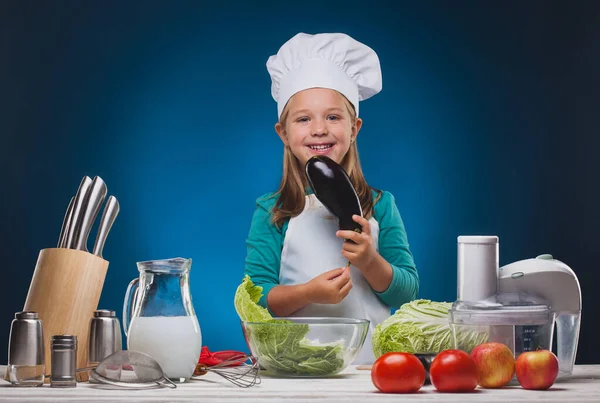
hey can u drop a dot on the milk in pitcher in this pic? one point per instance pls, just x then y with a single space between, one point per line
173 341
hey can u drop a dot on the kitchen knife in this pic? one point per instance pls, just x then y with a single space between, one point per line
93 203
65 224
111 210
74 226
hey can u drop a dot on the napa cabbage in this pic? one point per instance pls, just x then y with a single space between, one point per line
421 327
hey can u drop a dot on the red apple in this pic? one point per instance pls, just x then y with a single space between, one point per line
536 369
495 364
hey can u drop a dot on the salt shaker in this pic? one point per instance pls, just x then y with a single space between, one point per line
26 359
64 361
105 336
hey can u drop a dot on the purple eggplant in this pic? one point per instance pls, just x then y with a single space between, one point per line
332 186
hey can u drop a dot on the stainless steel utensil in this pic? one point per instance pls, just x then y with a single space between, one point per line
111 210
241 370
26 362
92 204
64 361
65 225
131 369
105 336
75 222
81 214
137 370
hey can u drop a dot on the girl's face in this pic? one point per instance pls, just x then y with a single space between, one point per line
318 122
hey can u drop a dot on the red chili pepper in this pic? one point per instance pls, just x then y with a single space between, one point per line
209 358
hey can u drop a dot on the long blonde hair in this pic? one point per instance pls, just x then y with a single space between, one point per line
291 194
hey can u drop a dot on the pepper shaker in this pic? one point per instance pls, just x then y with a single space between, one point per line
105 336
64 361
26 359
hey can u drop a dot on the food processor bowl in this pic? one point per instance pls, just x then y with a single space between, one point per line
517 321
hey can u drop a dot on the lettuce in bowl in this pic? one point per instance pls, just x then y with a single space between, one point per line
281 345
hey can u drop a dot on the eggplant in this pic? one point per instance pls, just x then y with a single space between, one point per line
426 360
332 186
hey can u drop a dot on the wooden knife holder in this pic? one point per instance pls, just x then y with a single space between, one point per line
65 291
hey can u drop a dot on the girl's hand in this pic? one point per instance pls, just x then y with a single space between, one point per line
361 253
330 287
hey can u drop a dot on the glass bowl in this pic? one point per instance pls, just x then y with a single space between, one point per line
305 347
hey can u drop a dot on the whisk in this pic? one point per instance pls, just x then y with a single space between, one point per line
240 369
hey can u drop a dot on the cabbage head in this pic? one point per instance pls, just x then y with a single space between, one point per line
420 327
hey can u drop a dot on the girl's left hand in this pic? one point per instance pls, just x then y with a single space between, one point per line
362 252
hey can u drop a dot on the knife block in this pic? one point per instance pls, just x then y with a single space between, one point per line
65 291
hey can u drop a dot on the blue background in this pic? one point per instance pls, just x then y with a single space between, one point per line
487 124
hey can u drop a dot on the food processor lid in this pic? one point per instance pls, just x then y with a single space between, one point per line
502 309
478 239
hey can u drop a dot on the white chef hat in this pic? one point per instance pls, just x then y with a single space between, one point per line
334 61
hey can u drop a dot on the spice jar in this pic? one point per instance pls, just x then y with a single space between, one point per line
64 361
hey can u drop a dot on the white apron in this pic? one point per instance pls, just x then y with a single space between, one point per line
311 248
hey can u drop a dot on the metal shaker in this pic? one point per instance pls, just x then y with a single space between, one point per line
105 336
64 361
26 359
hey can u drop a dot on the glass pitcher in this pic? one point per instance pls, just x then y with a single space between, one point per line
159 318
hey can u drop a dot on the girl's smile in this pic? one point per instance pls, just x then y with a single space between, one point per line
321 148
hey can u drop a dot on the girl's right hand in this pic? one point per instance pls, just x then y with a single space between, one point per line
330 287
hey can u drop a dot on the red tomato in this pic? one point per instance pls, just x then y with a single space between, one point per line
398 373
453 371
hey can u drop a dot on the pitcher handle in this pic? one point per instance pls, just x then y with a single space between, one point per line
129 303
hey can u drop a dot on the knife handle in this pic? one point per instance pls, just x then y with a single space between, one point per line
111 210
92 205
65 225
78 205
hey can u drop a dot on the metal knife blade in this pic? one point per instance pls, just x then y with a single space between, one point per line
111 210
65 224
74 226
93 203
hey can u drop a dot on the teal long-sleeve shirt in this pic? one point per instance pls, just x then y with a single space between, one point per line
265 243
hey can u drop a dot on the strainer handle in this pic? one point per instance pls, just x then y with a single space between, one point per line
129 303
167 382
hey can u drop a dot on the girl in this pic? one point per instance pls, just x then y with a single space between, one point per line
295 251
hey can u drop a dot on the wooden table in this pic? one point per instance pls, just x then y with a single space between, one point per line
351 386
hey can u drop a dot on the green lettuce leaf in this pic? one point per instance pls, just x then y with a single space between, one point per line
245 302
